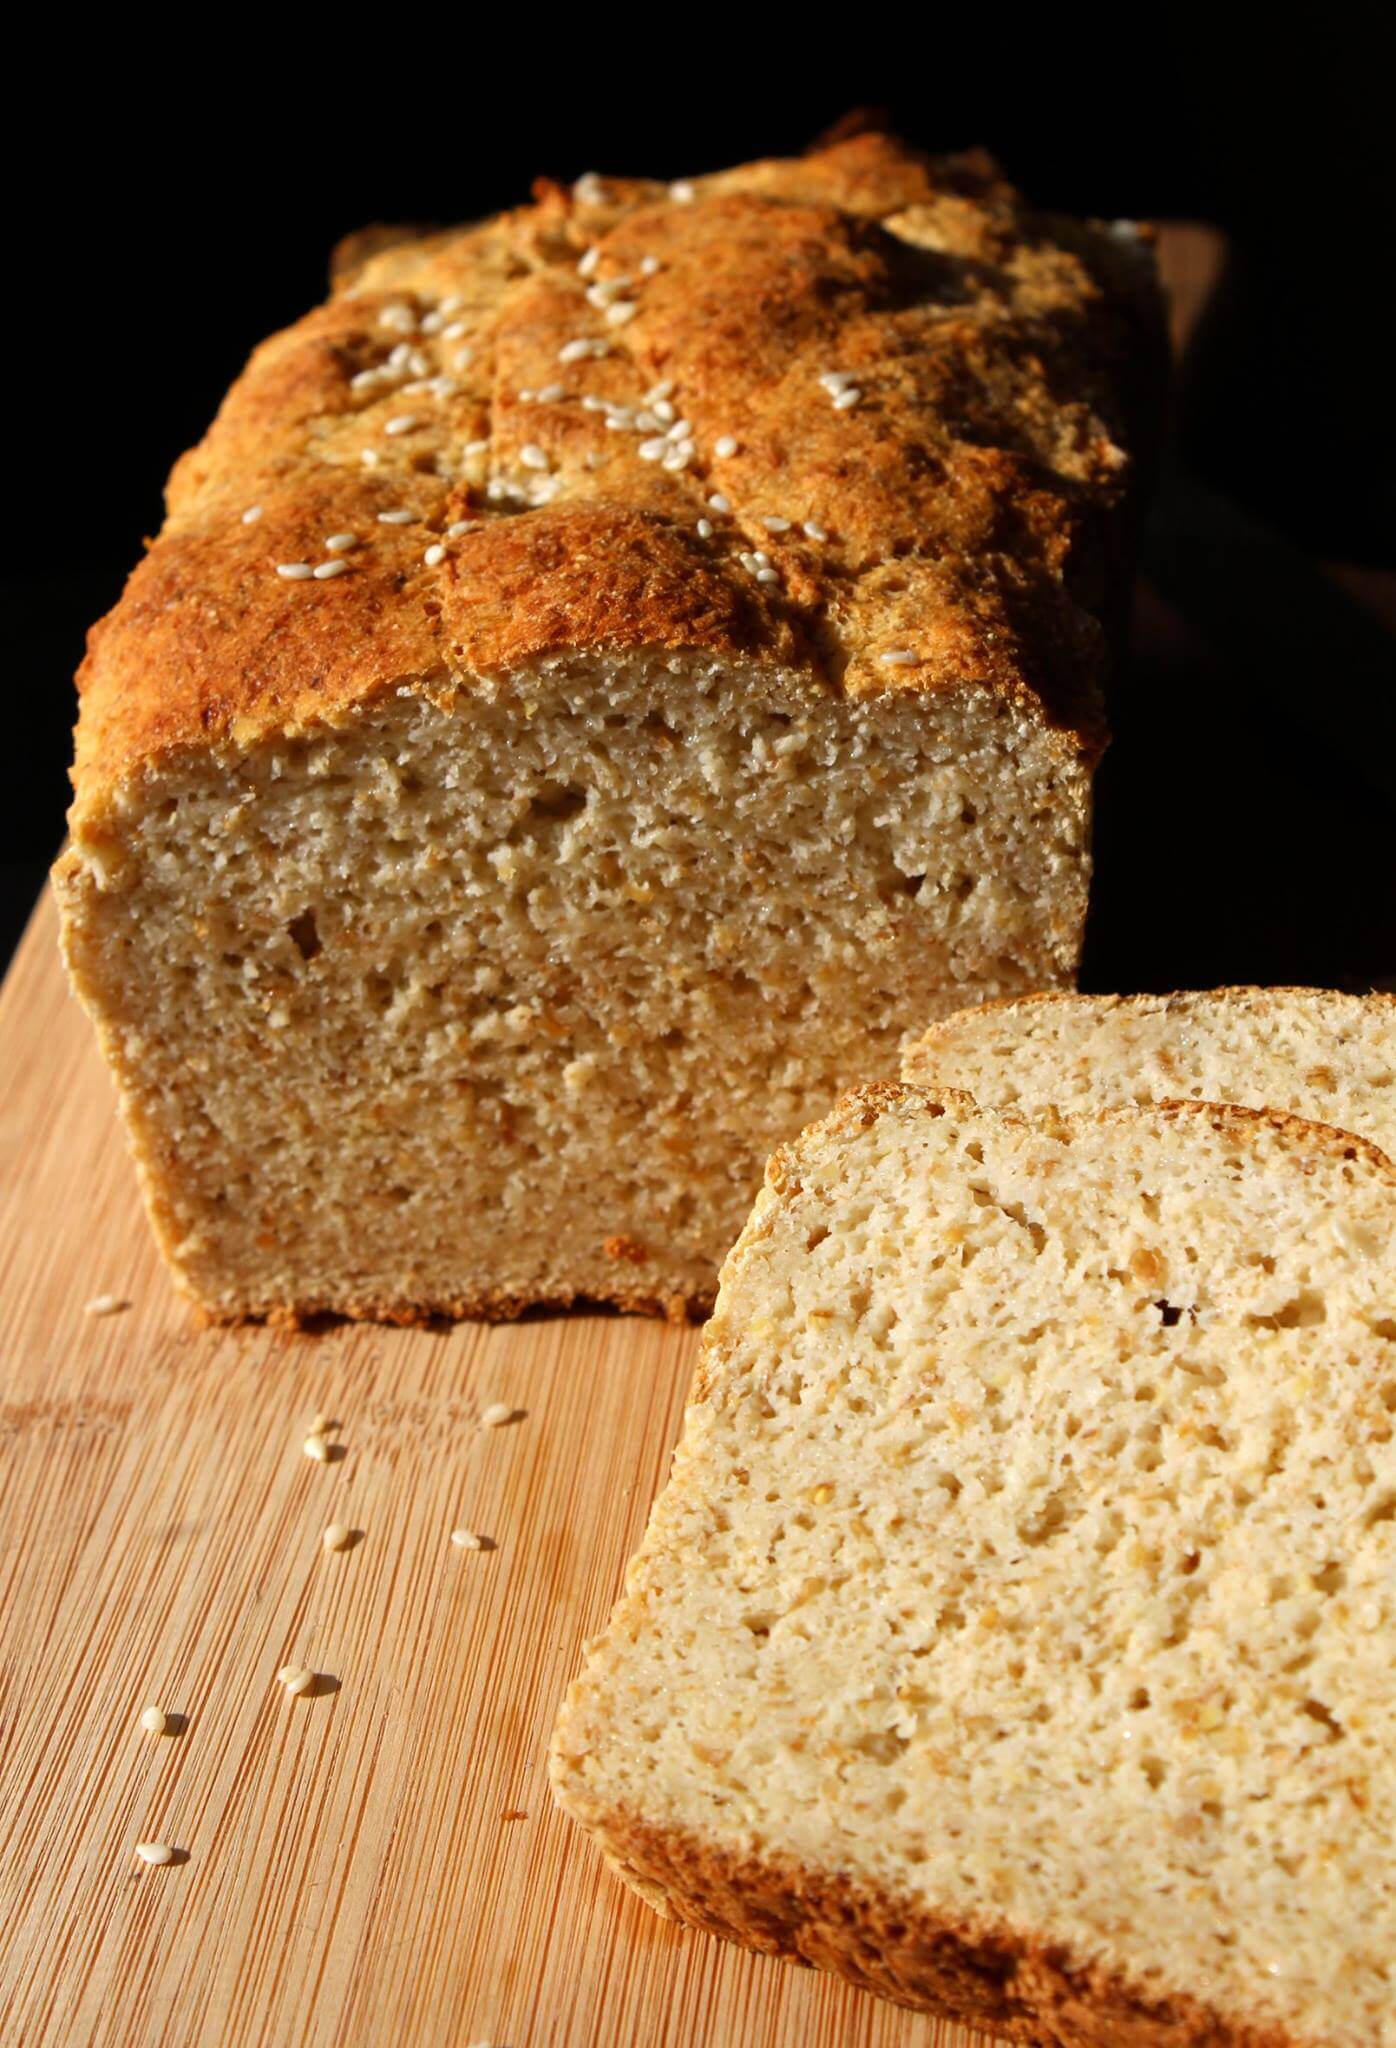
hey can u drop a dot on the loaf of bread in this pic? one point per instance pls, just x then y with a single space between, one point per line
1311 1051
605 679
1014 1634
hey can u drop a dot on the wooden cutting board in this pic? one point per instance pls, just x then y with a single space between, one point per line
378 1863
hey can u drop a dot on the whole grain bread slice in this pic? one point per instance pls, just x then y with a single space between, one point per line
1314 1052
1014 1632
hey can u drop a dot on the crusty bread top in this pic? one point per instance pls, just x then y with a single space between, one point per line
956 500
1315 1052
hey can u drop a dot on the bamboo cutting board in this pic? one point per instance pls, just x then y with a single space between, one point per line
377 1865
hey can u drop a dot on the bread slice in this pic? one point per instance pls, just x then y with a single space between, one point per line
1311 1051
606 679
1015 1632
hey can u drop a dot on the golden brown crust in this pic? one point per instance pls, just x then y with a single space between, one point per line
961 507
1007 1981
494 1305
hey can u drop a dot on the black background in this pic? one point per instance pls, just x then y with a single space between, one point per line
174 200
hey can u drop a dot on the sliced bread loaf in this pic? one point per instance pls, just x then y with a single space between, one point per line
1014 1634
1311 1051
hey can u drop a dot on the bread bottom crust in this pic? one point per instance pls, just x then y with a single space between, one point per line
491 1306
1003 1981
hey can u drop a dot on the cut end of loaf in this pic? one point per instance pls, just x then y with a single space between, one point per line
1020 1602
500 998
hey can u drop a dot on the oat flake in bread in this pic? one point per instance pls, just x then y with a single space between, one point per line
606 679
1014 1634
1313 1052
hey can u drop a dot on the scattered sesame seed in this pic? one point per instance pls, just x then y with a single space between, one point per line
321 1422
401 517
681 430
653 451
814 530
847 399
605 289
773 523
106 1305
498 1413
663 411
552 394
294 572
155 1721
370 458
324 570
399 317
726 444
466 1539
340 543
589 189
588 261
657 393
462 359
583 347
339 1536
460 526
527 397
251 515
155 1852
704 529
768 576
317 1446
682 192
401 423
649 265
835 381
719 501
679 456
477 448
532 456
296 1679
453 333
623 310
900 657
434 554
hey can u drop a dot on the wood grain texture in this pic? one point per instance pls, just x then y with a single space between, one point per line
380 1864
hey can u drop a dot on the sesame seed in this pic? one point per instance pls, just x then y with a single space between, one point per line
579 350
848 398
768 575
900 657
605 289
454 332
663 411
251 515
704 529
317 1446
719 501
340 543
401 517
773 523
401 423
369 457
726 444
657 393
466 1539
527 397
588 261
623 310
399 317
105 1305
649 265
296 1679
653 451
681 430
551 394
498 1413
339 1536
155 1852
682 192
814 530
294 572
434 554
589 189
836 380
155 1721
532 456
679 456
477 448
460 526
324 570
431 323
462 358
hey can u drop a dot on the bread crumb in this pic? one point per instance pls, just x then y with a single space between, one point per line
296 1678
